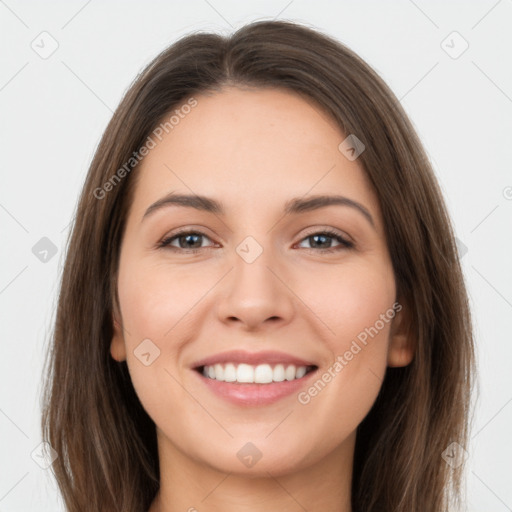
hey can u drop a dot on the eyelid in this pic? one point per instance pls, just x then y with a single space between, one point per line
328 229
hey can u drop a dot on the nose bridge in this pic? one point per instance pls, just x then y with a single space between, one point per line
252 263
254 292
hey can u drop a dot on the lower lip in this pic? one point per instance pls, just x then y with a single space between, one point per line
255 394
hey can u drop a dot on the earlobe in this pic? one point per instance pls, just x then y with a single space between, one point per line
117 346
402 346
400 354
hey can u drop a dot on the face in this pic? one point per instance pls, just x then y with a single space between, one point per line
288 283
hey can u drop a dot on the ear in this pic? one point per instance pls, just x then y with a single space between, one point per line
117 345
402 346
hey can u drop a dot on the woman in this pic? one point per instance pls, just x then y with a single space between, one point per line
262 305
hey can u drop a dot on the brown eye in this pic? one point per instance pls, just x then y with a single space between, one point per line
187 241
323 241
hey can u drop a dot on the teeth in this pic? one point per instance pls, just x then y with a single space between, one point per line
229 373
245 373
290 372
301 371
260 374
278 374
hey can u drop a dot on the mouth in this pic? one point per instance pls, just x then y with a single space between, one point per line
254 379
265 373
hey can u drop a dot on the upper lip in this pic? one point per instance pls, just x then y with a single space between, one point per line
252 358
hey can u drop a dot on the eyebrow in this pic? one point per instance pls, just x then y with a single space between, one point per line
293 206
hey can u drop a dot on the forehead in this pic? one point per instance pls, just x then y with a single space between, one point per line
251 147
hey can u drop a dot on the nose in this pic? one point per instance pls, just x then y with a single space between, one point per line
255 295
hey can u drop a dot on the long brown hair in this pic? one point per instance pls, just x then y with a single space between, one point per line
105 441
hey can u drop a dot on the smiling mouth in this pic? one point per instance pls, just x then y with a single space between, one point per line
241 373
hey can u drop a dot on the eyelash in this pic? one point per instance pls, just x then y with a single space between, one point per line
344 244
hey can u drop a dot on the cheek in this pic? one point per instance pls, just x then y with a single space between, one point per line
157 300
157 305
357 308
351 300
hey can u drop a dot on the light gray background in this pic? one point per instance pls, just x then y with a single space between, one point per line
54 110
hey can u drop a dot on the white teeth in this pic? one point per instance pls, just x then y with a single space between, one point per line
260 374
290 372
219 372
244 373
301 371
263 374
278 373
229 373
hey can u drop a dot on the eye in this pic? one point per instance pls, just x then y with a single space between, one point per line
323 241
189 241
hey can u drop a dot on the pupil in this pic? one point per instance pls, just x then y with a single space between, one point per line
188 238
315 237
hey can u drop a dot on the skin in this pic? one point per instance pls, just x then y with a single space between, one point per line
253 150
